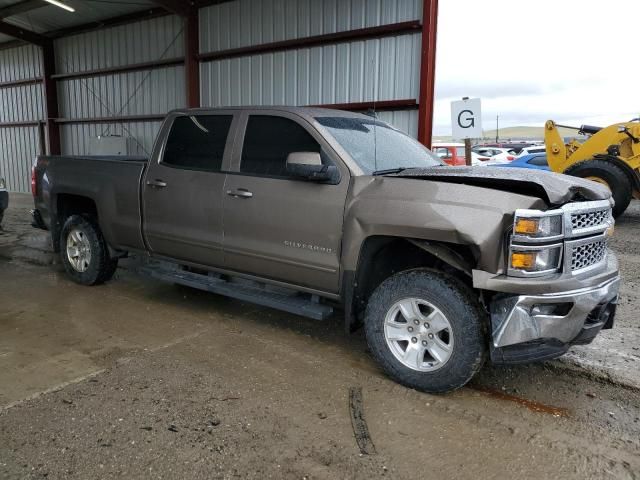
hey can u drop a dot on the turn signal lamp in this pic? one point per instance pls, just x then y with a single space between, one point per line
538 226
523 260
526 226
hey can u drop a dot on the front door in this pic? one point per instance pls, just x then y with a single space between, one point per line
183 189
278 226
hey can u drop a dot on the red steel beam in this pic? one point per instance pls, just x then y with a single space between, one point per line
30 123
18 83
382 106
121 69
50 98
134 17
21 7
191 64
427 71
385 105
381 31
113 119
22 34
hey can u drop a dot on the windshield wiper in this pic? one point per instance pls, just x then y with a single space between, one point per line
388 171
400 169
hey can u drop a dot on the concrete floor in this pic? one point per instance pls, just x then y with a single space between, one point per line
140 379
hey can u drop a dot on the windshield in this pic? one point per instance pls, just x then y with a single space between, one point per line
384 149
460 151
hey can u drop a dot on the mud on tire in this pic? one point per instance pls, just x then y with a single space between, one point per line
99 266
431 291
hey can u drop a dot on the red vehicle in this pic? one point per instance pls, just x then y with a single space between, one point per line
450 153
453 154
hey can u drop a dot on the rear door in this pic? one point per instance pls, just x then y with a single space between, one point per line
183 189
278 226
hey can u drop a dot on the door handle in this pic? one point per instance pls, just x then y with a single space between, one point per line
156 183
240 193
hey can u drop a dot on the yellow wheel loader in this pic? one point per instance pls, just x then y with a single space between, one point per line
610 156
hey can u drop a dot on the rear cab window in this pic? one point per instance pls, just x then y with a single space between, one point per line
197 142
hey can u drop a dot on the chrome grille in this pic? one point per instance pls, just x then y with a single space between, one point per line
583 256
589 219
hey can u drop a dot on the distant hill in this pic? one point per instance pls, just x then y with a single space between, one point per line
515 133
534 133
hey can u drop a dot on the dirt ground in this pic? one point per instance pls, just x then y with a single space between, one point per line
140 379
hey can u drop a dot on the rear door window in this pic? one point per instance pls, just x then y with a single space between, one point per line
197 142
269 140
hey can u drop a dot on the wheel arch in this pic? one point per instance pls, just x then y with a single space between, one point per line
66 204
381 256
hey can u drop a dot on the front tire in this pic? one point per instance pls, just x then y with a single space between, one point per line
609 175
426 330
84 251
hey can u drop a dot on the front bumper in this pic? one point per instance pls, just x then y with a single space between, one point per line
538 327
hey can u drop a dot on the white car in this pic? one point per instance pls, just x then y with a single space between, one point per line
496 154
531 150
477 159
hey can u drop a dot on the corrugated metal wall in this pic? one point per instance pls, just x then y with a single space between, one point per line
24 103
123 94
358 71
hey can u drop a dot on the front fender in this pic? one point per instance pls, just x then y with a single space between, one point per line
441 212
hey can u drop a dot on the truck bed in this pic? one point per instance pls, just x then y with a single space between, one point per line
112 182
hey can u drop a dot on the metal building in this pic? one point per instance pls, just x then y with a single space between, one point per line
115 69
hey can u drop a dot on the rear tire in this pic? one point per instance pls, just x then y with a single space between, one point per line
609 174
84 251
426 330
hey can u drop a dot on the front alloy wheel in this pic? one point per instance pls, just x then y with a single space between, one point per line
427 330
418 334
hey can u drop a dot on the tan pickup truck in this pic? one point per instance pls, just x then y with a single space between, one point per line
313 210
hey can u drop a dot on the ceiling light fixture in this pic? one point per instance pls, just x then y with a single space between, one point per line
61 5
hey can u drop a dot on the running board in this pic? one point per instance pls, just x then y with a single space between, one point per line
274 297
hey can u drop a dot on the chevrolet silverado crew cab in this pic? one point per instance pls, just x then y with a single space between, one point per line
311 210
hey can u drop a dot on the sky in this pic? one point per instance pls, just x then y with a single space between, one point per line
529 61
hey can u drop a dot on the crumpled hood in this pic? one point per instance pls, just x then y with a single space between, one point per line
554 188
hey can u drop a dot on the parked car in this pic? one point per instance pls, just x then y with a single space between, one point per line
515 146
450 153
496 155
532 150
537 161
4 199
453 154
309 210
477 159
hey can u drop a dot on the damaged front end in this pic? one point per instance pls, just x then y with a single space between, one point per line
566 249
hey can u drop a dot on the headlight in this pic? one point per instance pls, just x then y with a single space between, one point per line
532 224
533 260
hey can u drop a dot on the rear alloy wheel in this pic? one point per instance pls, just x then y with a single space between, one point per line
427 330
78 250
610 176
84 251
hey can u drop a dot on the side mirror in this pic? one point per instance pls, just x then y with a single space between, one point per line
309 165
